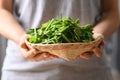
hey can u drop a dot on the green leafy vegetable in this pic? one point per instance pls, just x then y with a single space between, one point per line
61 30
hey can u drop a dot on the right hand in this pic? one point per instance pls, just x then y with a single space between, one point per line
33 54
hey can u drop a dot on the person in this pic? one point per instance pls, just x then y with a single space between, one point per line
21 63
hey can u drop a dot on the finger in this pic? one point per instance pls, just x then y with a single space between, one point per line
44 56
50 57
23 46
22 42
101 44
29 54
86 55
47 56
97 51
40 57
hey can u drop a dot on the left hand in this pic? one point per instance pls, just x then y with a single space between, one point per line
88 55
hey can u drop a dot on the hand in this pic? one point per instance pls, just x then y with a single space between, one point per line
88 55
33 54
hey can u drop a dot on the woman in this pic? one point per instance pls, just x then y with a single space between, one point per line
17 16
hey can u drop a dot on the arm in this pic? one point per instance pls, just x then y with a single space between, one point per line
8 25
10 29
107 25
110 19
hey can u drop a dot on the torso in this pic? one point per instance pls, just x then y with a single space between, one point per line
32 13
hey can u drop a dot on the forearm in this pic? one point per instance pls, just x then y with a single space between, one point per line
9 27
110 19
108 24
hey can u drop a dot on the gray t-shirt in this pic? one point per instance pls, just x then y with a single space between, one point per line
32 13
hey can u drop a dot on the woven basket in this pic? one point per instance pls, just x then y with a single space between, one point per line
67 51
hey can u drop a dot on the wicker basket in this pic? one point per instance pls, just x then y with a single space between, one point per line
67 51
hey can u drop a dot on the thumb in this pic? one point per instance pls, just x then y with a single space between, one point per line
97 51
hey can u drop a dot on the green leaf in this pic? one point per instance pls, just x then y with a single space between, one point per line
61 30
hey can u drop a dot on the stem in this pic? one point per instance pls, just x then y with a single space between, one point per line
66 38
